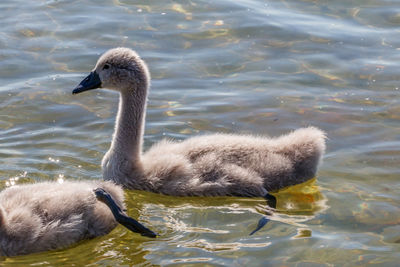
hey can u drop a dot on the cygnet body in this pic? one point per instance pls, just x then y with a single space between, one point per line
208 165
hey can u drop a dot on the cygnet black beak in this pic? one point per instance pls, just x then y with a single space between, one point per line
120 216
92 81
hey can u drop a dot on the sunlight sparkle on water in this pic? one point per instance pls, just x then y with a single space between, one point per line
60 178
12 181
53 160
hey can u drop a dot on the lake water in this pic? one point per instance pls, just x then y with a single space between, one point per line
246 66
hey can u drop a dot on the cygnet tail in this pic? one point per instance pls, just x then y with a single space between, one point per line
304 147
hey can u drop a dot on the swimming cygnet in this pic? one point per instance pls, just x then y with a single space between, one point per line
207 165
50 215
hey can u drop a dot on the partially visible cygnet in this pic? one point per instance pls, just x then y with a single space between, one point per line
50 215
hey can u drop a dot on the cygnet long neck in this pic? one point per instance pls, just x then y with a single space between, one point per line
129 128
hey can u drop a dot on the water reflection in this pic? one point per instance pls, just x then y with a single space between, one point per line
304 199
218 224
295 206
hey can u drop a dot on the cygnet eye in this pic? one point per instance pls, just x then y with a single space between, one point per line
106 67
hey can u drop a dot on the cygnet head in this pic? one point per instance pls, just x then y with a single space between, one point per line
119 69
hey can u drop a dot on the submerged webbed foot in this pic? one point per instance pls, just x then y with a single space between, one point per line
261 223
271 201
120 216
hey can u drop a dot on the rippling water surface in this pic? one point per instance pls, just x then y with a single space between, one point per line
263 67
